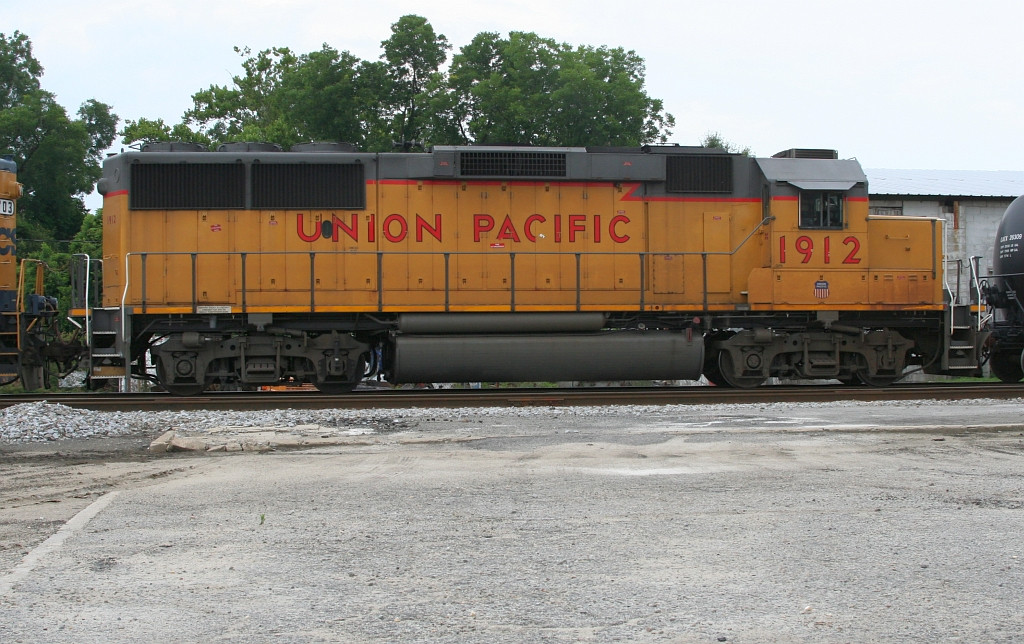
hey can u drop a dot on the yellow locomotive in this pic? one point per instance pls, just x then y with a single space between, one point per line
29 340
250 266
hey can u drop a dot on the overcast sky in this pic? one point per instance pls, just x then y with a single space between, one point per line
897 84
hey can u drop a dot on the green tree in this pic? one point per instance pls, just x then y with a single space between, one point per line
414 52
148 131
521 89
281 98
533 90
715 140
58 157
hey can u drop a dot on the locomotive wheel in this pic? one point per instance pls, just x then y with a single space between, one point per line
730 378
335 388
876 381
1006 365
184 390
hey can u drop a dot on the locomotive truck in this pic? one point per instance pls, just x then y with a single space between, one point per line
250 266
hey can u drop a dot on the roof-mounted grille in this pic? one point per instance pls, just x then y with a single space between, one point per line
512 164
699 173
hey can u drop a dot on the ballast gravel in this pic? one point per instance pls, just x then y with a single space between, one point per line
43 421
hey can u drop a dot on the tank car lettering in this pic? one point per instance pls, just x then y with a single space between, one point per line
389 228
422 225
507 230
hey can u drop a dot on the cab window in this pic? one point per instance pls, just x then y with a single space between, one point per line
820 209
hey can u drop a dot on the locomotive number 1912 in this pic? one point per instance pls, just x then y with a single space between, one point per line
804 247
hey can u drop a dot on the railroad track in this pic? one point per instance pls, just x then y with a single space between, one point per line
406 398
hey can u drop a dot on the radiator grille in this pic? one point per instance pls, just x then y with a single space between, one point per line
699 173
512 164
173 186
306 185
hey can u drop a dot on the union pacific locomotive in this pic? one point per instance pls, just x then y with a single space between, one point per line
29 338
251 266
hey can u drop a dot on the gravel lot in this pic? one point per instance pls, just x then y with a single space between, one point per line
849 522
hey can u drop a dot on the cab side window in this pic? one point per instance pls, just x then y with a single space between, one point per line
820 209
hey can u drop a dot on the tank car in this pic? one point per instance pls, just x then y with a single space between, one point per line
1002 292
252 266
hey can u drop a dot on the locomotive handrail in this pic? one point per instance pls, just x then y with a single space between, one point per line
380 257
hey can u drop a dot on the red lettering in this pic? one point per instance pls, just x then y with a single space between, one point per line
352 229
422 225
805 246
852 258
782 249
558 228
481 224
613 233
577 224
507 230
302 233
371 228
403 228
528 227
597 229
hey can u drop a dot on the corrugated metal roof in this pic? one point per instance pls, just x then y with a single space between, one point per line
946 183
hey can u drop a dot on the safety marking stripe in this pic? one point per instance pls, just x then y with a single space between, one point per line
33 558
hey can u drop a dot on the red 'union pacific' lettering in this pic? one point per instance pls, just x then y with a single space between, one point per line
397 228
538 226
394 228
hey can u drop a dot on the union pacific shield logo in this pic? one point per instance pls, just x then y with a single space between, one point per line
821 289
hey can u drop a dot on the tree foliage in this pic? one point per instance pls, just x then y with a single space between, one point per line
532 90
58 157
522 89
715 140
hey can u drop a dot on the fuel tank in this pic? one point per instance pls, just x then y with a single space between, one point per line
619 355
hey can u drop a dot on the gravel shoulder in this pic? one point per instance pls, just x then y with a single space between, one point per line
746 523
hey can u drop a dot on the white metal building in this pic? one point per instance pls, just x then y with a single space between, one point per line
971 202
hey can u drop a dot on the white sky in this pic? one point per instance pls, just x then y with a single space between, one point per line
897 84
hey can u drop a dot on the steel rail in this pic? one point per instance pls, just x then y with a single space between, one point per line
454 398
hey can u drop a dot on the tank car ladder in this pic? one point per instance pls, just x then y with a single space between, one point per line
105 359
964 337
